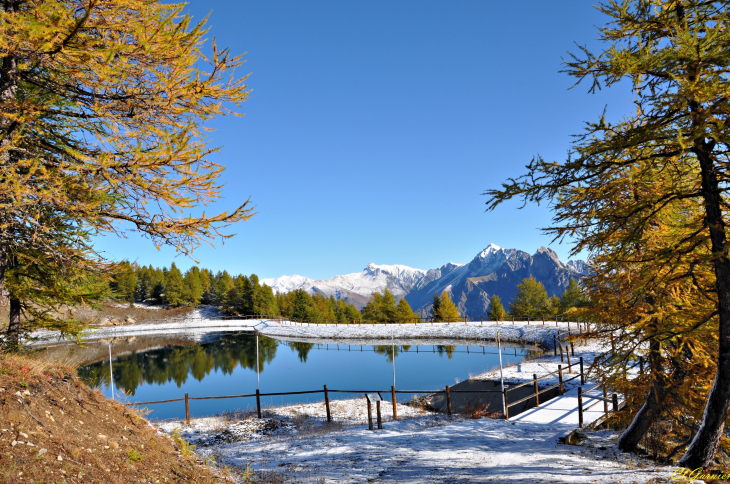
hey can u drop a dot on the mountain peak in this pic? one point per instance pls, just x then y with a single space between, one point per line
491 249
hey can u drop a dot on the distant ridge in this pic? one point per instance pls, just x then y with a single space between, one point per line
493 271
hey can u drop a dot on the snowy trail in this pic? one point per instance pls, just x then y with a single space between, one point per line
435 450
424 447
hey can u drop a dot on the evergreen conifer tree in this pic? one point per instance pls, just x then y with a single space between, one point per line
572 297
435 310
300 305
530 301
496 310
174 287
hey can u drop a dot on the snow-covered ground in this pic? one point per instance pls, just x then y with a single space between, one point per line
521 332
196 325
295 443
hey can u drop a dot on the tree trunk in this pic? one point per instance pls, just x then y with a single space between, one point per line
651 409
12 340
704 446
643 419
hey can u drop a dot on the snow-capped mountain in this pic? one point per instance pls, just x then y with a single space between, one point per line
493 271
579 266
357 287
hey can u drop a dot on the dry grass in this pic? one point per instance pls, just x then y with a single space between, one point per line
139 314
53 428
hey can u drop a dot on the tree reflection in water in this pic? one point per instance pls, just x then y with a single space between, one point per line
167 364
301 349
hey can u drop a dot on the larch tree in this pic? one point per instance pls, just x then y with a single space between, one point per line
103 106
404 312
647 195
447 309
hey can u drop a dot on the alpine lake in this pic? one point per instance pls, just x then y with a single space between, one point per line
153 368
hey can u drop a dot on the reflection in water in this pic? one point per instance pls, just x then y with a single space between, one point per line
301 349
390 351
176 364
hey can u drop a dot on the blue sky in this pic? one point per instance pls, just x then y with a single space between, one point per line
374 127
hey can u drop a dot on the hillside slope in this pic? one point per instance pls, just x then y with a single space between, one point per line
53 428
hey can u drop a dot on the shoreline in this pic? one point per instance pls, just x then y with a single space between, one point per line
520 332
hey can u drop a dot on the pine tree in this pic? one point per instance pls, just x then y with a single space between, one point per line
193 287
205 282
572 297
246 293
436 308
124 282
300 305
496 310
447 309
530 301
174 287
266 303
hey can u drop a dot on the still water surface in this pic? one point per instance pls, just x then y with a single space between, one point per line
225 364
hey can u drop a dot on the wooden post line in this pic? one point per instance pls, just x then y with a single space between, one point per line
187 409
327 404
395 410
448 400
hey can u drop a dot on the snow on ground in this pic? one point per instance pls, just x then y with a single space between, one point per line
430 449
518 332
295 443
200 321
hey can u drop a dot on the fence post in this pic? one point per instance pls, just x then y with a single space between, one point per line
377 410
506 407
614 401
448 400
395 411
567 353
537 391
370 413
258 403
605 399
327 403
481 320
580 407
582 375
641 365
555 346
561 353
187 410
613 344
560 377
572 348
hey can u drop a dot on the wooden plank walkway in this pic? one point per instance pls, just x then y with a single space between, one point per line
564 409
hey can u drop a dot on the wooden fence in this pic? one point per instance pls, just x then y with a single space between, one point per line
447 391
581 326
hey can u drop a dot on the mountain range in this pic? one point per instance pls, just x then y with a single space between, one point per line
493 271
